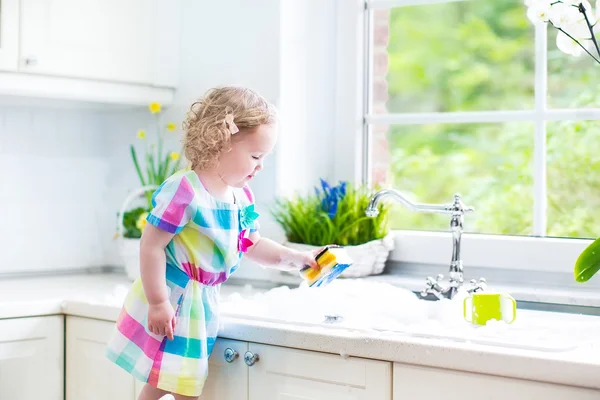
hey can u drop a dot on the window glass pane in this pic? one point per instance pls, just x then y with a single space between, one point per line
573 168
572 81
457 56
490 165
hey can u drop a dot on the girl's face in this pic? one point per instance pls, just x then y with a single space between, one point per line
248 151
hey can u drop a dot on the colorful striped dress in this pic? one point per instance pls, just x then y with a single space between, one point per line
210 238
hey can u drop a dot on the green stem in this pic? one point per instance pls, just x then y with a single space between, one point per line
137 165
175 167
165 168
577 41
582 10
149 199
151 168
159 167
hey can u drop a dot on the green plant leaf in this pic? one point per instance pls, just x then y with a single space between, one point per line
159 167
588 262
150 168
175 168
137 165
129 222
164 168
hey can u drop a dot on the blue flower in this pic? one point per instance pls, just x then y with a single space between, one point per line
330 197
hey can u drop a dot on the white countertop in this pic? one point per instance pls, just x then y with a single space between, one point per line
100 297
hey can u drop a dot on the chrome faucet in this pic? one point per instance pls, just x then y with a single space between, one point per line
456 210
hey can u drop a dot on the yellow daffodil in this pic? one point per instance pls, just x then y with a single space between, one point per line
141 134
171 126
141 221
154 108
174 156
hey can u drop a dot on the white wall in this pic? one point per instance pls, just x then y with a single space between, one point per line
52 173
64 172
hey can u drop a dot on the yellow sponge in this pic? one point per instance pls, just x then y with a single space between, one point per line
332 261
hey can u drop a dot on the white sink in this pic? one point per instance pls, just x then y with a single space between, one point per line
384 309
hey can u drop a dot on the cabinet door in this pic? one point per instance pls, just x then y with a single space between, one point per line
414 382
227 380
9 35
31 358
290 374
98 39
90 375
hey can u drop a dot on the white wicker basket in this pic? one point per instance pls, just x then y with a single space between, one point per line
369 258
129 248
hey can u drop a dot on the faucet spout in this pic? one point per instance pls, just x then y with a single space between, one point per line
372 210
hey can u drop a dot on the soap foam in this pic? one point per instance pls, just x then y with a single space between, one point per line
384 309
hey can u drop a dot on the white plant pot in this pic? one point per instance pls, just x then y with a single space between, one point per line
369 258
129 250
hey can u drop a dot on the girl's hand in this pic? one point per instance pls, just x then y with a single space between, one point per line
274 255
303 258
161 319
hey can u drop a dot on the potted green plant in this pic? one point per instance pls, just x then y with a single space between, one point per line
154 166
336 215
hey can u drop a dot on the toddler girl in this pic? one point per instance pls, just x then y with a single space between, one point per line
202 222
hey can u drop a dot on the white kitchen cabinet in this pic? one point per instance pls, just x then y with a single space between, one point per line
290 374
9 35
109 40
98 51
32 358
414 382
89 374
227 380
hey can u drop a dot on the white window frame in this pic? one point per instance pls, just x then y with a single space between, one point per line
538 252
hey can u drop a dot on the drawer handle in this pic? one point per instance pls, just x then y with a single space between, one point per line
250 358
30 61
230 355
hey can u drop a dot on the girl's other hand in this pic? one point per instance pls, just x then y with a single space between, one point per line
161 319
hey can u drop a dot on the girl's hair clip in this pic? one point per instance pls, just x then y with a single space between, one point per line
230 124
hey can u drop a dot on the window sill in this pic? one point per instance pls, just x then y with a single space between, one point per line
543 254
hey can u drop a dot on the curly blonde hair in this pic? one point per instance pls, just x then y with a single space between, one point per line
207 131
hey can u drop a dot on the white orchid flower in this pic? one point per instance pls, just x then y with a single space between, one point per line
539 11
579 32
586 5
562 14
574 36
530 3
575 2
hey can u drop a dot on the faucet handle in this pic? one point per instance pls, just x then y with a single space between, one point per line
459 206
477 286
432 286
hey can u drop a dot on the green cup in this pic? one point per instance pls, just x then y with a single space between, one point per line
479 308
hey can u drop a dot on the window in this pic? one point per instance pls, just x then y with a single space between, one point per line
470 97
